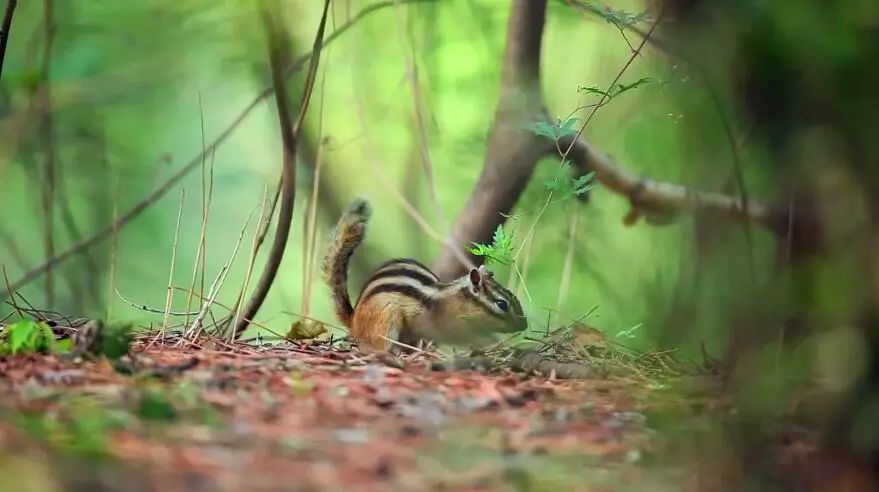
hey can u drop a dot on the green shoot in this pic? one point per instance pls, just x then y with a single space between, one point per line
616 89
566 187
500 250
629 333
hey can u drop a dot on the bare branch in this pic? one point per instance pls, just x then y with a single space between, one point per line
513 153
160 191
289 137
663 197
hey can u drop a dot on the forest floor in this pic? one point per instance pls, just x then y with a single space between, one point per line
320 416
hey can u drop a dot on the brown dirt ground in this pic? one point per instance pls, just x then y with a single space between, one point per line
302 416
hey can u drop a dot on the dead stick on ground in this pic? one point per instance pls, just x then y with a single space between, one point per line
222 305
289 138
258 236
218 282
169 299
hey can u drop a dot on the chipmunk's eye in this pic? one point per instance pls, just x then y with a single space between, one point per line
502 305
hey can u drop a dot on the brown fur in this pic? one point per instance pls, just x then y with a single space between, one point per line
349 234
404 301
379 318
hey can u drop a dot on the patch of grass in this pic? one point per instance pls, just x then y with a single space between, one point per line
500 250
577 343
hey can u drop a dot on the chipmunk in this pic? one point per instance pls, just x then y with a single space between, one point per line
404 301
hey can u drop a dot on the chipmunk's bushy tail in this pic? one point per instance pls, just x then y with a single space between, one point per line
348 235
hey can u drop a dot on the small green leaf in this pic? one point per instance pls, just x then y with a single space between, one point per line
555 131
620 88
592 89
28 336
543 129
569 127
630 332
559 179
499 251
21 335
583 184
622 19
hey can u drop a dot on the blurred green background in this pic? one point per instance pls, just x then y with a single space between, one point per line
130 83
783 93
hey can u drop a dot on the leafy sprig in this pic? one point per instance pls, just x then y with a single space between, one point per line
29 336
557 130
565 186
500 250
616 89
621 19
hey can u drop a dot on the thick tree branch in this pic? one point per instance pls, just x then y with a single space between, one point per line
289 137
663 198
513 153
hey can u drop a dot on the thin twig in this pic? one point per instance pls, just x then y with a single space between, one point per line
290 137
13 249
160 191
228 308
565 282
48 145
257 240
114 243
144 307
12 297
724 120
418 115
200 264
410 347
310 236
78 280
338 327
739 174
218 282
605 95
410 209
169 298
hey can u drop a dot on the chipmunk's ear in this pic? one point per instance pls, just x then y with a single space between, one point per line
475 279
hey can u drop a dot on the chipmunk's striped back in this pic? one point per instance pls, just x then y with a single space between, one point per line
404 277
404 301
